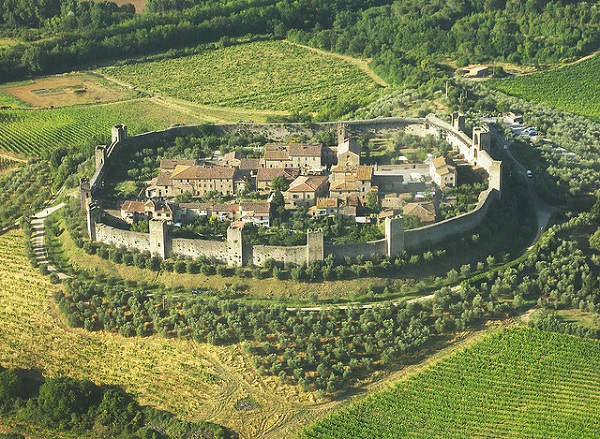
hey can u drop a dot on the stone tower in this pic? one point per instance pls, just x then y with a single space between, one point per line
100 156
118 133
342 133
93 213
159 234
458 121
495 173
85 193
481 139
315 247
394 235
235 246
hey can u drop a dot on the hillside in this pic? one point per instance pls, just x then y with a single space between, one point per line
573 88
517 383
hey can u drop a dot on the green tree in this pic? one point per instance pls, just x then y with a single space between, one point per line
279 184
373 201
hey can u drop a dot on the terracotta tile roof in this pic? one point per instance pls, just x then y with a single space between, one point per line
195 206
442 167
425 211
164 178
301 150
307 184
171 164
133 206
198 172
438 162
364 173
228 208
256 207
268 174
250 164
232 155
275 151
331 203
343 186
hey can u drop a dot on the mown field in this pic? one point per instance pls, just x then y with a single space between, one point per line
517 383
574 88
69 89
193 380
272 75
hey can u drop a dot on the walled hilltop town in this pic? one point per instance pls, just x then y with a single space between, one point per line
326 180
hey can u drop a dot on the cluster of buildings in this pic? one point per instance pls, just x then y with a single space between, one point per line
327 180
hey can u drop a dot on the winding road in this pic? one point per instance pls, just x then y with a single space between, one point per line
543 210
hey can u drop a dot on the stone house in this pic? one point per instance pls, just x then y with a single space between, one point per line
424 211
188 212
161 186
442 173
258 213
348 180
264 177
333 206
229 212
296 155
199 180
304 191
348 150
134 211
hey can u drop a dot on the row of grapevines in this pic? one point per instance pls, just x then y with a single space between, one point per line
260 75
518 383
36 132
574 88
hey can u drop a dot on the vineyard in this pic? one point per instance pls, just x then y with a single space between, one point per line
262 75
517 383
36 132
574 88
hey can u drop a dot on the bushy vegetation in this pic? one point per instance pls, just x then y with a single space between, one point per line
23 191
67 405
511 385
405 39
573 88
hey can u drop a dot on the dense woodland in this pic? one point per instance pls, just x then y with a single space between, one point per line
407 40
81 407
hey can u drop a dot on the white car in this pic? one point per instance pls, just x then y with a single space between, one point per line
529 173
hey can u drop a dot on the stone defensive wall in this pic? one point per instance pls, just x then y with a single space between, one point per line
429 236
233 251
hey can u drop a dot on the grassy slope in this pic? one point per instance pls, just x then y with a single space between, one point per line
518 383
574 88
268 75
196 381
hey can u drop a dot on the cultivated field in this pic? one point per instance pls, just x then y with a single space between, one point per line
517 383
196 381
269 75
574 88
68 89
35 132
